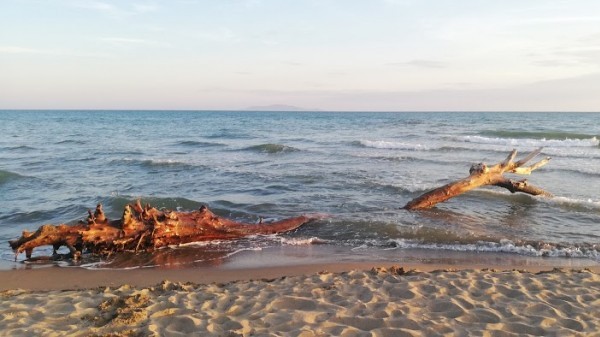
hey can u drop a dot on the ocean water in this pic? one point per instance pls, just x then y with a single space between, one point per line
359 168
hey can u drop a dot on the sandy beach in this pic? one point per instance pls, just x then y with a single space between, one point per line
312 300
257 168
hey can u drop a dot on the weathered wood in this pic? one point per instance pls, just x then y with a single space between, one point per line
481 175
144 229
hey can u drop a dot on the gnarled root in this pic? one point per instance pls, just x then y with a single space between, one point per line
144 229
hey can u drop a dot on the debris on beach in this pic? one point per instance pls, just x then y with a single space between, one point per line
482 175
144 229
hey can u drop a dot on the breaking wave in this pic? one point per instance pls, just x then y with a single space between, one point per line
568 142
573 203
568 203
541 135
382 144
504 246
157 163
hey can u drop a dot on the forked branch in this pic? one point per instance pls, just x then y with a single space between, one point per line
482 175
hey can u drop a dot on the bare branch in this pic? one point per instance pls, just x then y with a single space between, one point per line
509 159
530 156
527 170
522 186
481 175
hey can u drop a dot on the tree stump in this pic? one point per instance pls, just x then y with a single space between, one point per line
144 229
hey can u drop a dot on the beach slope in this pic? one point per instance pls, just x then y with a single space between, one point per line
359 302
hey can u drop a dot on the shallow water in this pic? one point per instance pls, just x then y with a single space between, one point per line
359 168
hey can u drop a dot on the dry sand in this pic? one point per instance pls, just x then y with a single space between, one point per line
360 302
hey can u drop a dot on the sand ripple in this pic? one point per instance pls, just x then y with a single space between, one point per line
380 302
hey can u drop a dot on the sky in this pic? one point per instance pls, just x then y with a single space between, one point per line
342 55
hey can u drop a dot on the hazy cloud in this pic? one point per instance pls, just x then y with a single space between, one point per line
95 5
552 63
293 63
382 49
49 52
130 41
217 35
398 2
116 10
21 50
420 64
145 8
559 20
568 94
588 55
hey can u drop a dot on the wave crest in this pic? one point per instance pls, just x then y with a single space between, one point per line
194 143
568 142
382 144
157 163
541 135
272 148
507 246
117 203
8 176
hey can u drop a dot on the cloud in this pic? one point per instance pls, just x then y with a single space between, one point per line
96 6
579 56
559 20
130 41
421 64
145 8
398 2
217 35
21 50
553 63
567 94
585 55
112 10
49 52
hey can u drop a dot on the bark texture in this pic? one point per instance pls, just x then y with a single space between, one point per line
144 229
481 175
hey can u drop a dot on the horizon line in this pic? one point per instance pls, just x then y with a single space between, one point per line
303 110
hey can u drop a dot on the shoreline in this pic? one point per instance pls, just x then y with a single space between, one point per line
60 278
309 292
269 263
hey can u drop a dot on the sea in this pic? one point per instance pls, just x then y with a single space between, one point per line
355 169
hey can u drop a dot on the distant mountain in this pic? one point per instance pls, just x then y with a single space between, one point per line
278 107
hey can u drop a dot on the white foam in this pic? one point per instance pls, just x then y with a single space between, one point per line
382 144
504 246
589 204
573 202
590 142
301 241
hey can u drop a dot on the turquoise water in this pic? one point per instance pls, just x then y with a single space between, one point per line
359 168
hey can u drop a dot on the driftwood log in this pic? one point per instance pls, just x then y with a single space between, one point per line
144 229
482 175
